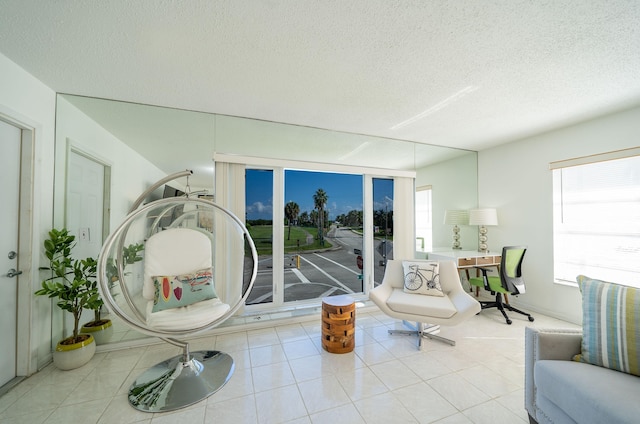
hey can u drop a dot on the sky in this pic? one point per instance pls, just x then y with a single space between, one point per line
344 192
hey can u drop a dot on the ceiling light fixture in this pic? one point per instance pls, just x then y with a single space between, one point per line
433 109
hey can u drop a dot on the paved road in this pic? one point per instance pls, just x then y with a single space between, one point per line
322 273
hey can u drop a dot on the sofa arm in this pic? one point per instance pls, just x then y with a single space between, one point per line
539 344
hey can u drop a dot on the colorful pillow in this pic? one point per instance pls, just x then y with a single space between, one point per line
175 291
610 325
422 277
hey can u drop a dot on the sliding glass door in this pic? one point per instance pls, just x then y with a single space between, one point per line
315 233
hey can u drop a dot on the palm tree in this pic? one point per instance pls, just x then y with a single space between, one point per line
320 200
291 211
304 219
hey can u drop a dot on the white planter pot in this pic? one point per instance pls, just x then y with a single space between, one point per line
101 333
68 357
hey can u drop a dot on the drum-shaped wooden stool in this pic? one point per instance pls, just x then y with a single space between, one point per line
338 324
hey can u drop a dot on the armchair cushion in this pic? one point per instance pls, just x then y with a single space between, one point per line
577 390
422 277
611 325
453 308
558 390
175 291
438 307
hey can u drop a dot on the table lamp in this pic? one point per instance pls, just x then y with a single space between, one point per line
455 218
483 218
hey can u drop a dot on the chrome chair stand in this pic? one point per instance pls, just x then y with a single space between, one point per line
181 381
423 330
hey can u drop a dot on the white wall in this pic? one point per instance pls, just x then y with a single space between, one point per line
454 186
131 174
28 101
515 178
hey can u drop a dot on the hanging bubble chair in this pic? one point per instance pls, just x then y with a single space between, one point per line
175 268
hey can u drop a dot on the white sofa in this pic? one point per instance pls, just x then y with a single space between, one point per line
559 390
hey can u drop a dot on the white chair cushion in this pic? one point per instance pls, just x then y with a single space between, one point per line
174 252
186 317
427 306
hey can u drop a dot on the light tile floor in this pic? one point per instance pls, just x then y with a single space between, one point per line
284 376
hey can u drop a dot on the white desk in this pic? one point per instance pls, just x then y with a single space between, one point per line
467 259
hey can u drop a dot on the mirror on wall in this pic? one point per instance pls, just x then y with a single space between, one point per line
141 144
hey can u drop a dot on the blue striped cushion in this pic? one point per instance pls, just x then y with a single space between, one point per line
610 325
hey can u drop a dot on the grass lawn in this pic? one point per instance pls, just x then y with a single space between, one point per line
262 237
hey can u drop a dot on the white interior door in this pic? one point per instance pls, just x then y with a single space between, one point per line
10 176
84 209
84 206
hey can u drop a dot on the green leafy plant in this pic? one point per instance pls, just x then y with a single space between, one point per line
73 281
130 255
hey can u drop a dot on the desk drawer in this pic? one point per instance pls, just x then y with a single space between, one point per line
489 260
466 262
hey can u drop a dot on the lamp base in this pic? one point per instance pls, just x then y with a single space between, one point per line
456 238
482 246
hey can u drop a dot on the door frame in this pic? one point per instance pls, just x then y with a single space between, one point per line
72 147
26 363
76 148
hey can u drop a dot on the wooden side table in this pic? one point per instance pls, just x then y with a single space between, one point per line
338 324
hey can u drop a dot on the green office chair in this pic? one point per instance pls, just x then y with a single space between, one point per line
509 281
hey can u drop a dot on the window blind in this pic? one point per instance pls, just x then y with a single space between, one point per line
597 219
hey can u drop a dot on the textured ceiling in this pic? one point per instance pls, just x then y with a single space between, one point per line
467 73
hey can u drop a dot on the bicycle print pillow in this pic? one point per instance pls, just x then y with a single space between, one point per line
422 277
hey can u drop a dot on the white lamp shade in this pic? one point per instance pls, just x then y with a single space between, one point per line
456 217
483 217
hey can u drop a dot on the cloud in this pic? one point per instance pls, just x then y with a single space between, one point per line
259 209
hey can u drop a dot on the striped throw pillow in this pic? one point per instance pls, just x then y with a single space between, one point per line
610 325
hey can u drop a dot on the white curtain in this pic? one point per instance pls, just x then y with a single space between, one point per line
229 258
404 237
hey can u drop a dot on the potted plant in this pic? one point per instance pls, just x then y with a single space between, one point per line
102 328
73 283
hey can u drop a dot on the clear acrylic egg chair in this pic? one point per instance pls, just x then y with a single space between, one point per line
176 268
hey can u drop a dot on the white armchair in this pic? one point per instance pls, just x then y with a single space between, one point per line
452 308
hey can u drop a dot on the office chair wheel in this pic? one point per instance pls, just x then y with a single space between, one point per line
531 319
509 321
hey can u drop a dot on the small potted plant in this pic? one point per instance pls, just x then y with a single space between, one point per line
73 283
102 328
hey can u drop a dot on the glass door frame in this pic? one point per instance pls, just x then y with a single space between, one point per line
278 167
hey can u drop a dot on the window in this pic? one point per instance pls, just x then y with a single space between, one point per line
322 233
320 229
382 225
596 209
424 238
259 222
